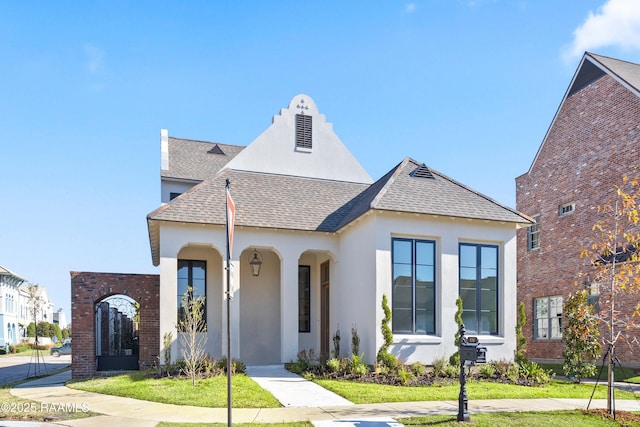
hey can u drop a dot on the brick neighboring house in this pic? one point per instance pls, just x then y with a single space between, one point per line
593 141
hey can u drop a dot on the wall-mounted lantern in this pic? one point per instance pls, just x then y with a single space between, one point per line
256 263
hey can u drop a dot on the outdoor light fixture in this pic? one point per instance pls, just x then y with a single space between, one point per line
256 263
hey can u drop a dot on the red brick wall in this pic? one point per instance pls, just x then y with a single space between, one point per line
87 289
592 144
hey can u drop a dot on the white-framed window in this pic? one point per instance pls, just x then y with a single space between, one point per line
566 209
534 234
547 323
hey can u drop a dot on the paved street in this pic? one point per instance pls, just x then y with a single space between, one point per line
13 368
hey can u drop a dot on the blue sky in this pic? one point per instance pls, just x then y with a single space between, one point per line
468 87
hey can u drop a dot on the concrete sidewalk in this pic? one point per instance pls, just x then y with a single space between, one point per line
51 393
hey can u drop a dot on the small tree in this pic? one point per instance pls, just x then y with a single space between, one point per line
167 340
192 334
521 341
614 269
384 357
581 336
336 344
355 341
454 359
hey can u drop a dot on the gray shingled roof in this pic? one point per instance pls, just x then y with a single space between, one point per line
399 191
308 204
626 71
191 160
265 200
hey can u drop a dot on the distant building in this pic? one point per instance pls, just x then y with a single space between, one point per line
60 319
10 330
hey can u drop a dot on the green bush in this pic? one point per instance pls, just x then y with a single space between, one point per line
357 365
439 365
534 372
487 370
389 360
333 365
237 366
404 375
418 368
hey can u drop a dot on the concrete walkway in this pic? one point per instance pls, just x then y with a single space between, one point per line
51 393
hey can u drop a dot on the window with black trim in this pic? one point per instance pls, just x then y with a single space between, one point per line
304 298
173 195
414 287
547 318
534 233
192 280
303 131
479 288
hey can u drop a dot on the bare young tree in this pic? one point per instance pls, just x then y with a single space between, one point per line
614 273
192 333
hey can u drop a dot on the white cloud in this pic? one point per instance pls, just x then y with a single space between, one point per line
94 57
410 7
616 23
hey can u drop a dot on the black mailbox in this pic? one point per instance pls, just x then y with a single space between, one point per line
481 354
471 352
468 352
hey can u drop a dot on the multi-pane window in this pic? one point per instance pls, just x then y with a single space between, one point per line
534 233
192 281
547 323
414 289
479 288
303 131
566 209
304 298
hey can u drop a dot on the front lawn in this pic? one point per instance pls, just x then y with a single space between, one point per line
208 392
358 392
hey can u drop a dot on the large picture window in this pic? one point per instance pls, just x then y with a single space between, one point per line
192 280
304 298
414 288
548 318
479 288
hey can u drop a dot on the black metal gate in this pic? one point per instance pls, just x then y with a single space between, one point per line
117 326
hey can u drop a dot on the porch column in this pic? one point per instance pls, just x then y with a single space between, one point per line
289 307
168 304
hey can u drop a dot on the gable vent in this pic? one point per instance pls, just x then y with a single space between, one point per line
303 131
422 171
216 150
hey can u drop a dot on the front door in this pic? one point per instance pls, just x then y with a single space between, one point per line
324 310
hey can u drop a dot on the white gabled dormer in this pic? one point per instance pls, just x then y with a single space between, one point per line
300 142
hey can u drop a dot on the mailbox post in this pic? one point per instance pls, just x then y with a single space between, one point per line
470 354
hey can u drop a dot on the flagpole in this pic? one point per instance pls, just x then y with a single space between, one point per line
228 194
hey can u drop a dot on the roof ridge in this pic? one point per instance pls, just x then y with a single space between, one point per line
205 142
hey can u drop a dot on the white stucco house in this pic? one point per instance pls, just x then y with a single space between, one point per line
331 242
10 307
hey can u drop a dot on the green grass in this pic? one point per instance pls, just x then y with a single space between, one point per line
628 375
375 393
209 392
523 419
